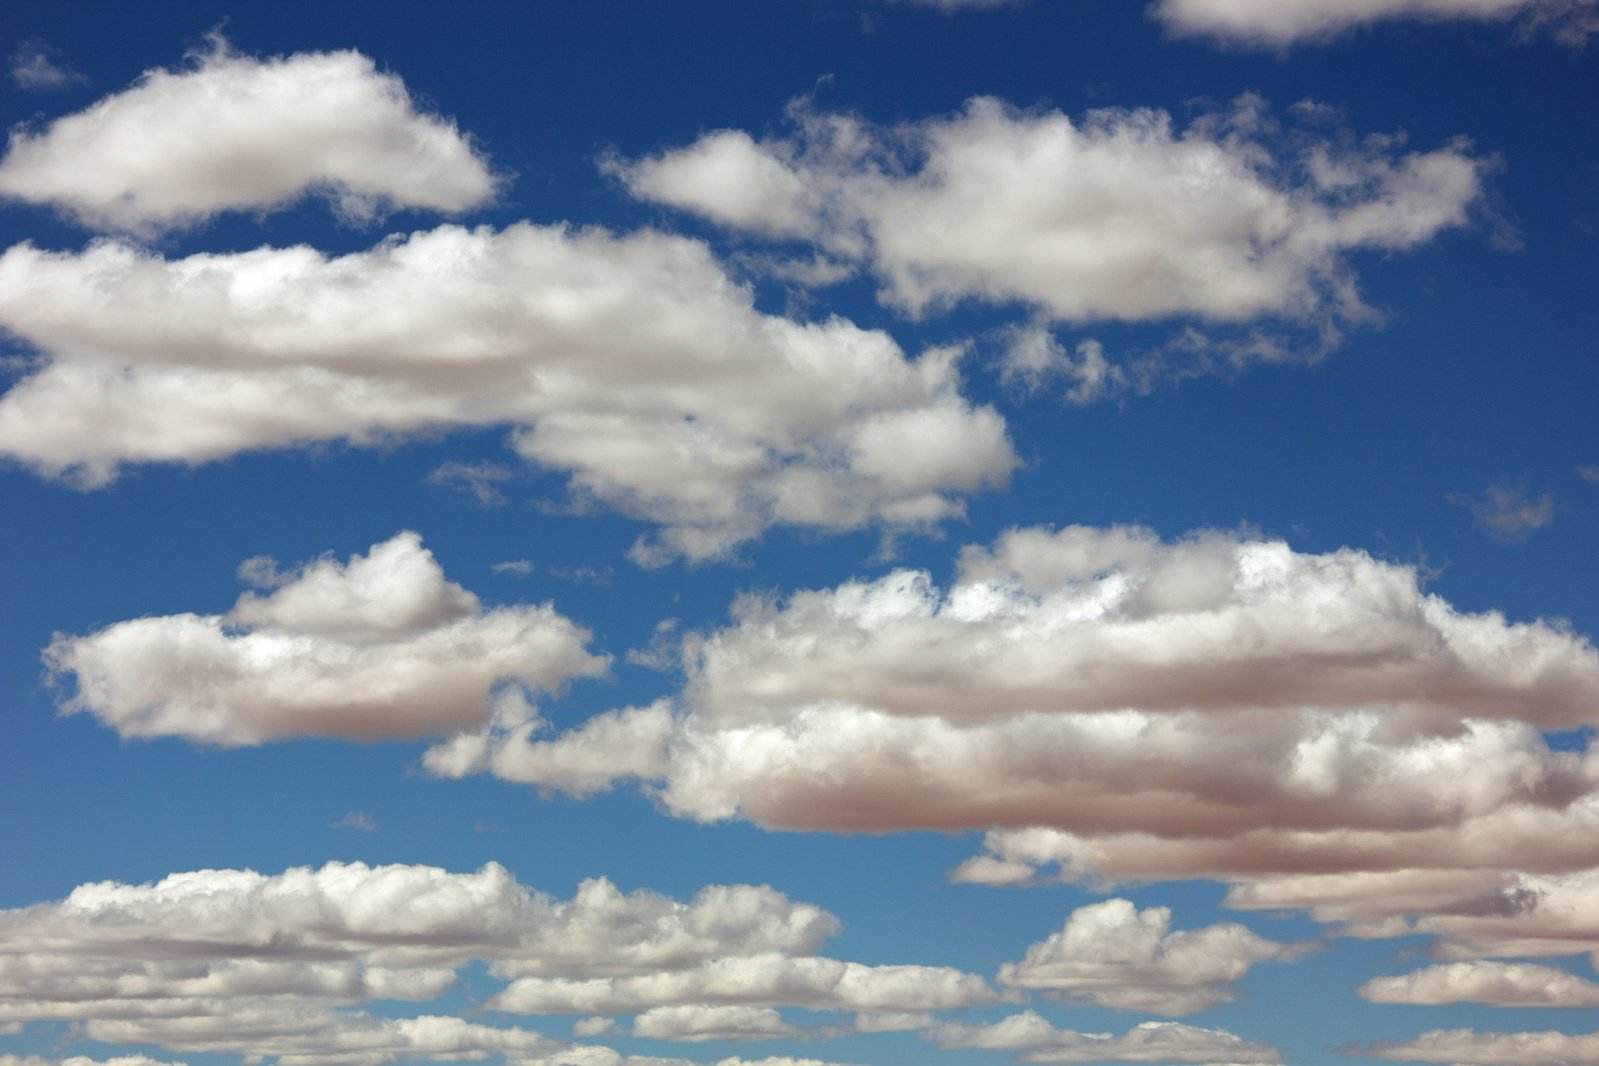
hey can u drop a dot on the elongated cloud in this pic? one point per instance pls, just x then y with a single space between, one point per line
754 980
234 961
1033 1039
1499 984
381 646
1120 215
1315 730
237 133
1276 23
631 363
1467 1047
1113 955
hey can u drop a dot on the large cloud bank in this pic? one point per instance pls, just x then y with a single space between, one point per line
1316 730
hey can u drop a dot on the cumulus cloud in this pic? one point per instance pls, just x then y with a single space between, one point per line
631 363
1316 730
233 132
766 980
1112 954
1121 215
234 961
1467 1047
1278 23
380 646
697 1024
1032 1039
312 1037
1498 984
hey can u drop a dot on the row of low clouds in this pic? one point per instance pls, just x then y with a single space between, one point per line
233 961
636 363
1316 731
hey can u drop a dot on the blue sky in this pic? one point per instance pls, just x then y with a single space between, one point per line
957 465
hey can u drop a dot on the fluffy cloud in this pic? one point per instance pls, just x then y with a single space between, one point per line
1466 1047
1113 955
755 980
380 646
233 961
1032 1039
631 363
311 1037
233 132
1276 23
1316 730
697 1023
1122 215
1498 984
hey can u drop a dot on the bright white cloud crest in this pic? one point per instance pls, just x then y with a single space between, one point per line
631 363
237 133
381 646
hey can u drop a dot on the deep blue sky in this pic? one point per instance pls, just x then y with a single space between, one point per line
1482 373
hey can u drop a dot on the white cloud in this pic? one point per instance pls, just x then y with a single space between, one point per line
1498 984
1113 955
696 1023
1033 357
1315 730
631 363
1278 23
1121 215
221 955
380 646
1033 1039
764 980
234 132
233 961
1466 1047
298 1037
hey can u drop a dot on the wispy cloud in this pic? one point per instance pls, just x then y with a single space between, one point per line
35 65
1508 512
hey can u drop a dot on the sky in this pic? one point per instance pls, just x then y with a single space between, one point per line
799 533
